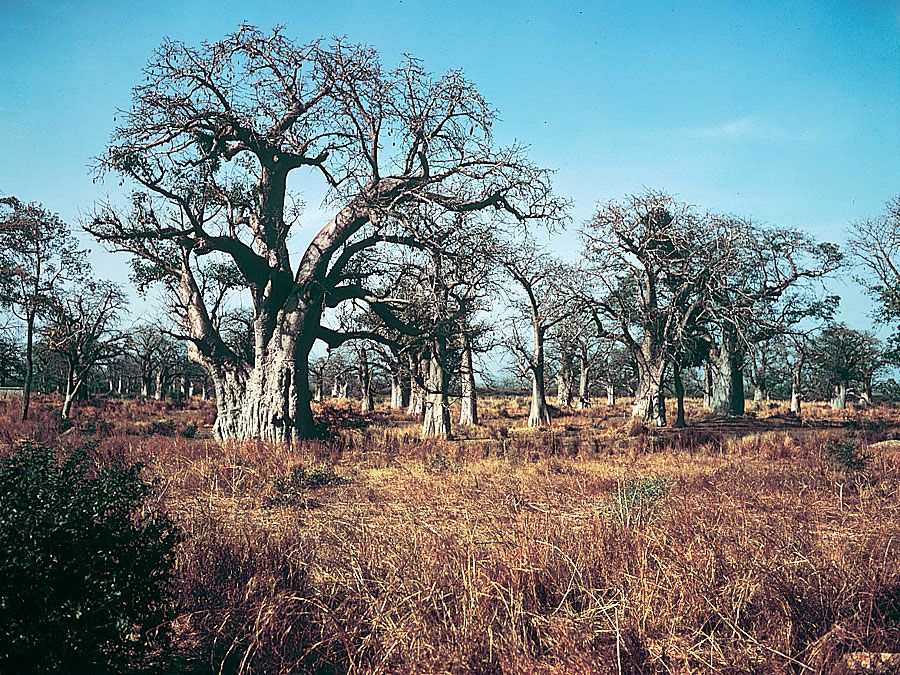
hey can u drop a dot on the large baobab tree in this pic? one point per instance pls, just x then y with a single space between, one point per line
213 135
37 255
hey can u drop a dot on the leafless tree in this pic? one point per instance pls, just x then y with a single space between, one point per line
543 302
213 134
81 328
652 261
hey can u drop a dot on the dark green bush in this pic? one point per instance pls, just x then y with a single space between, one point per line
85 565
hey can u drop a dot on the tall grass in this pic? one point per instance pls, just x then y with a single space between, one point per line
773 546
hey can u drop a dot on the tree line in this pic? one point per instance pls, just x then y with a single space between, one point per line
431 259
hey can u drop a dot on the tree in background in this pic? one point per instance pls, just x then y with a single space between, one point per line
37 255
543 302
651 263
81 328
843 357
875 245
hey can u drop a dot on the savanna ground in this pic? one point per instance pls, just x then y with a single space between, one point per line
766 544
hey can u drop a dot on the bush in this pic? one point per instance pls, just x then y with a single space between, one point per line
291 490
85 564
633 502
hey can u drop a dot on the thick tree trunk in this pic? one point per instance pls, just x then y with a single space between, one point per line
865 397
270 401
436 423
795 394
320 388
468 410
416 392
839 402
584 383
679 396
538 415
651 367
396 390
728 378
158 392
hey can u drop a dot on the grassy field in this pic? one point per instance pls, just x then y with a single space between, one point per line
766 544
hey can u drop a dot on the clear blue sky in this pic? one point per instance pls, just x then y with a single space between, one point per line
786 112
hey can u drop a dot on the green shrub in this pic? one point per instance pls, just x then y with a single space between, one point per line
85 564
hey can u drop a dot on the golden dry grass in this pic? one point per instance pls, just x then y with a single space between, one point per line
770 546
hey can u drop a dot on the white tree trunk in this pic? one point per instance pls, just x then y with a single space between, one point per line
795 393
610 394
416 392
651 366
565 382
839 402
538 415
468 412
584 384
436 423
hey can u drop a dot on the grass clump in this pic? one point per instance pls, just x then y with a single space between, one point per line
293 489
633 503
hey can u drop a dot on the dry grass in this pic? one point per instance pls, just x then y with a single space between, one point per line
760 545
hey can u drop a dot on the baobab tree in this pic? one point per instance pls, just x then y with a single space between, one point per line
651 262
769 287
37 255
843 357
213 134
543 300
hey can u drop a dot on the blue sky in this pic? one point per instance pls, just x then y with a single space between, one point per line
786 112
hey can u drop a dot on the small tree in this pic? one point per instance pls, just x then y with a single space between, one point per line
82 329
37 255
842 357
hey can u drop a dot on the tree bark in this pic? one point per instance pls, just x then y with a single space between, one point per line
584 383
565 381
839 402
468 411
436 423
416 392
795 392
610 394
728 378
158 392
538 415
651 367
679 396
